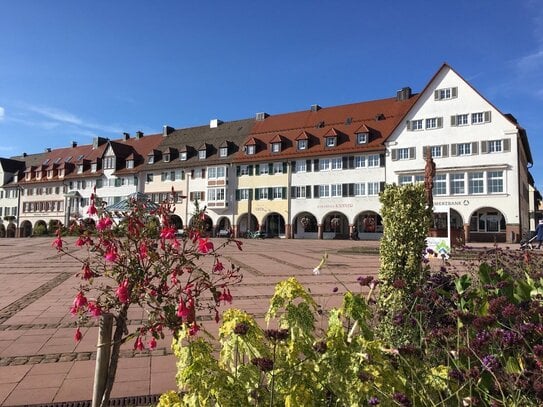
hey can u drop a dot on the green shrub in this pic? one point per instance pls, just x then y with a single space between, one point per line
40 230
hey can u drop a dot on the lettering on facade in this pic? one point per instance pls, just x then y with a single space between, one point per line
465 202
335 206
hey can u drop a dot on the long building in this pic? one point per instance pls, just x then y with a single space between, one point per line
312 174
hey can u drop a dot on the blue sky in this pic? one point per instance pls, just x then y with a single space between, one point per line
71 70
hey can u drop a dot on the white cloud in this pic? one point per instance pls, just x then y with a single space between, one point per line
2 113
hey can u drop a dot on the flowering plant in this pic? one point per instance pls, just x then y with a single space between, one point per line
305 222
128 264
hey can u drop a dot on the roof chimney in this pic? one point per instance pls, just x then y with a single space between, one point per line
403 94
25 154
48 150
213 124
74 144
315 108
261 116
126 136
167 130
139 134
98 141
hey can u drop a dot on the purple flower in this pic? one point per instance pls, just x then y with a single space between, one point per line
456 375
264 364
241 329
373 401
490 362
402 399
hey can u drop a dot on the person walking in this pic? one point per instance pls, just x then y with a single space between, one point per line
539 233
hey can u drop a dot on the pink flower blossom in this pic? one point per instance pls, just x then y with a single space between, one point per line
92 209
167 233
152 343
122 292
226 296
94 309
138 345
81 240
80 301
143 251
87 272
111 254
104 223
57 243
194 328
182 309
78 335
218 266
205 246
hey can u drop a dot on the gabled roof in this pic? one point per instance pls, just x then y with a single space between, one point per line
11 166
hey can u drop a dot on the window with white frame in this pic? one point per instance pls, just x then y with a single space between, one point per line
359 161
94 167
374 160
324 164
130 164
197 173
201 154
276 147
300 192
277 168
331 141
215 194
277 193
446 93
324 191
335 190
419 179
150 159
244 170
373 188
109 162
301 166
494 181
251 149
494 146
414 125
360 189
405 179
262 193
436 151
149 177
403 153
166 157
459 120
223 152
336 163
244 194
361 138
463 149
264 169
476 183
183 156
434 123
457 183
480 117
302 144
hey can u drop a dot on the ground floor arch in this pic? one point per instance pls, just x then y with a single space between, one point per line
368 225
224 227
487 224
273 225
40 228
26 229
246 222
176 221
335 225
305 226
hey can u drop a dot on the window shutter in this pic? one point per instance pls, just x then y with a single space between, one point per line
453 150
284 167
293 192
202 196
487 116
315 191
284 193
308 165
192 174
506 144
257 194
251 194
308 191
381 186
162 176
381 160
270 193
444 150
393 154
453 120
484 145
183 174
344 190
408 125
351 162
474 148
191 196
440 122
424 149
316 165
351 189
454 92
293 166
203 173
345 162
250 170
238 170
270 169
237 195
412 153
436 94
257 169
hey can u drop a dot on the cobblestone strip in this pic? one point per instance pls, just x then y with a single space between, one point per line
21 303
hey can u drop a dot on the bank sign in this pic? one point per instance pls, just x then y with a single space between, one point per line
440 239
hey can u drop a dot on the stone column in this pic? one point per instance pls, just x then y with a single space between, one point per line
466 233
319 231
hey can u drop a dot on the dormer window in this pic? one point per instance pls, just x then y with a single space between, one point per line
151 159
223 152
331 141
130 164
38 175
166 157
61 173
251 149
202 154
50 174
94 167
302 144
276 147
362 138
80 169
28 176
183 156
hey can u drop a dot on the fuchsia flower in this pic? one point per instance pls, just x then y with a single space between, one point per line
104 223
167 233
226 296
78 335
205 246
122 292
138 345
152 343
87 272
57 243
111 254
94 309
92 209
194 328
80 301
142 252
182 310
218 266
